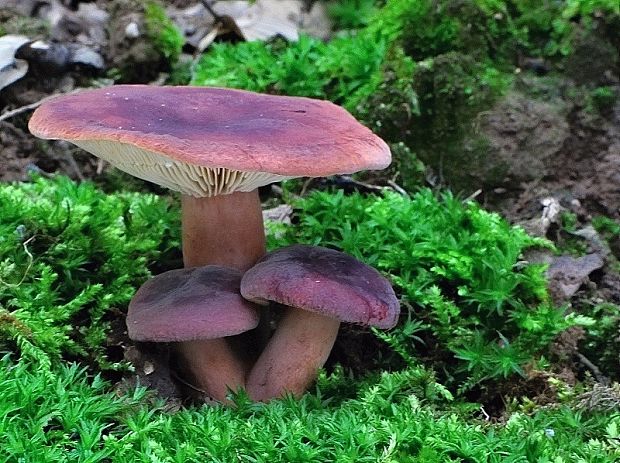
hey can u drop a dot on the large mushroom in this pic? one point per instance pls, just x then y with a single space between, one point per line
196 305
216 146
321 288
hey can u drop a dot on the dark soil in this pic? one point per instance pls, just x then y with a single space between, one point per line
584 175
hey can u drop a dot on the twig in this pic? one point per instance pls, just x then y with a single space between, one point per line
177 377
358 183
223 22
31 106
208 39
305 186
277 190
100 166
22 109
473 196
600 377
396 187
30 261
211 11
74 165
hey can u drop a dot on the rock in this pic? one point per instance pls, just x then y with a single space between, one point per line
596 244
253 20
47 58
592 57
84 56
522 135
566 274
21 7
539 226
132 31
50 58
281 214
87 25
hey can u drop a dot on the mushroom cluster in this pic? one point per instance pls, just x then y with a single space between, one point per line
217 147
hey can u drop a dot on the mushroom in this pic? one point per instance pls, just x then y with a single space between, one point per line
216 146
320 287
196 305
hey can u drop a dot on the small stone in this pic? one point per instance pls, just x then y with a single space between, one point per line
132 31
148 368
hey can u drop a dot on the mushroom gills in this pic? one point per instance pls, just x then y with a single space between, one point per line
189 179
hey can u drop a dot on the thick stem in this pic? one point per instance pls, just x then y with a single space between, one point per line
293 356
221 230
213 365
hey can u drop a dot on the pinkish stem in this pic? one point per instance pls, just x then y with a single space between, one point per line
223 230
220 230
290 362
213 366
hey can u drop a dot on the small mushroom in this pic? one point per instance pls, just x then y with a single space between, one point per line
196 305
321 288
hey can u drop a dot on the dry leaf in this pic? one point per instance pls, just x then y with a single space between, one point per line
11 69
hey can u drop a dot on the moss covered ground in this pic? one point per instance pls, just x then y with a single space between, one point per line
72 256
472 373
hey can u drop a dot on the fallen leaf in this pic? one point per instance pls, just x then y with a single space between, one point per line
11 68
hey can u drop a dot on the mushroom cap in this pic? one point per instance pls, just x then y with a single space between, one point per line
190 304
324 281
205 141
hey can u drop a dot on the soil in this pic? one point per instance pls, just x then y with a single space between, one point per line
584 174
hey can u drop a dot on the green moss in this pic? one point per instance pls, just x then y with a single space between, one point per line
422 28
603 99
408 170
391 104
452 89
602 342
166 37
420 71
457 269
350 14
608 227
421 105
338 70
71 417
70 257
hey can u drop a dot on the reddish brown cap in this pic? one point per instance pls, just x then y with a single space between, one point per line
205 141
190 304
325 281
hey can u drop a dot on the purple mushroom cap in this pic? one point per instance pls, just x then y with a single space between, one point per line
190 304
324 281
218 127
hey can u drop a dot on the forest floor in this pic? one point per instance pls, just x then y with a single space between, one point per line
565 157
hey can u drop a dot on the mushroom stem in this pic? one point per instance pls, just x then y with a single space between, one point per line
223 230
220 230
293 356
214 366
